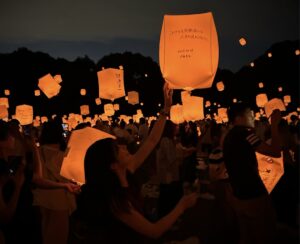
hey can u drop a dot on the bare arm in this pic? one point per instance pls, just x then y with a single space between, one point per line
272 150
154 230
150 143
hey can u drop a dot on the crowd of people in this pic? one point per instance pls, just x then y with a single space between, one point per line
38 205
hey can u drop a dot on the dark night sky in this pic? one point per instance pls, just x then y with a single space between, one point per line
71 28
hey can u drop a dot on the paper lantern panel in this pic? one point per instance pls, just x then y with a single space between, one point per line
49 86
109 109
24 114
261 100
273 104
84 110
133 97
4 101
3 112
189 51
176 114
193 108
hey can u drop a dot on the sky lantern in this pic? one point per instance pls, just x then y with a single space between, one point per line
252 64
242 41
220 86
58 78
3 112
176 114
126 98
193 108
234 100
261 100
133 97
98 101
80 140
189 51
207 104
49 86
44 119
82 92
116 107
222 113
273 104
24 113
297 52
121 67
37 93
4 101
287 99
36 123
6 92
139 111
84 110
270 55
280 89
136 117
111 83
261 85
109 109
142 104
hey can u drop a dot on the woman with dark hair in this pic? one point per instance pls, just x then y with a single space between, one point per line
109 202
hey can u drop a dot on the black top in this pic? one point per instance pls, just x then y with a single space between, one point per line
241 163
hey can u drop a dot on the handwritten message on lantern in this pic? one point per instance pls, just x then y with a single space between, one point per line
80 140
111 83
188 51
24 113
270 170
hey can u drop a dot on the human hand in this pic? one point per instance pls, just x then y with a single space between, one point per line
72 187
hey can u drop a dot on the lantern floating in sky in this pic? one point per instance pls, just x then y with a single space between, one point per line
220 86
44 119
111 83
82 92
234 100
3 112
242 41
280 89
222 113
215 104
116 107
193 108
24 113
159 105
261 100
6 92
252 64
176 114
142 104
84 110
133 97
270 55
98 101
297 52
109 109
49 86
120 67
37 93
58 78
287 99
146 75
261 85
4 101
189 51
273 104
207 104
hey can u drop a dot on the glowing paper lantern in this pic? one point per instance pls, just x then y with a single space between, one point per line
234 100
273 104
270 170
146 75
261 85
142 104
58 78
280 89
121 67
222 113
137 117
220 86
287 99
111 83
82 92
297 52
6 92
84 109
44 119
193 108
37 93
176 114
24 113
133 97
252 64
116 107
98 101
270 55
139 111
109 109
242 41
36 123
126 98
189 51
49 86
261 100
207 104
80 140
4 101
3 112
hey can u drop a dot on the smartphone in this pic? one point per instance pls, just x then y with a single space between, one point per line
65 127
